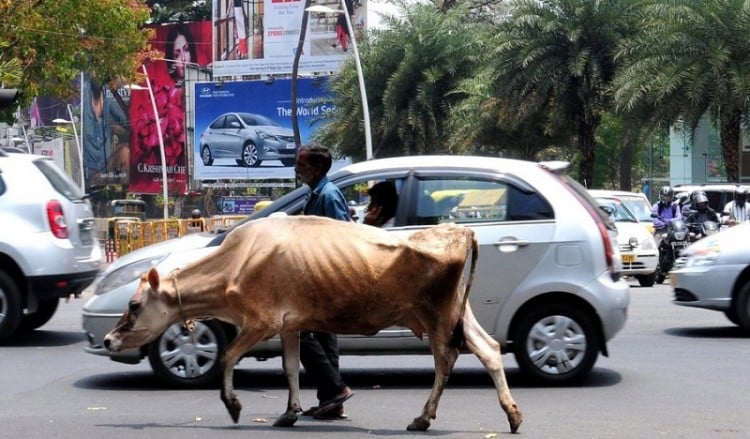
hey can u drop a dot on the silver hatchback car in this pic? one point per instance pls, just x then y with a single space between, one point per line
714 273
47 245
548 286
247 138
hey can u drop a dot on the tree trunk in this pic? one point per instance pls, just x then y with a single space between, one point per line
586 145
730 123
631 134
295 69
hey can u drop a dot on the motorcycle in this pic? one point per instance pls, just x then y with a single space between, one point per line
673 239
698 230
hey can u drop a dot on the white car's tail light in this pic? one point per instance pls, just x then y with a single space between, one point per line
56 219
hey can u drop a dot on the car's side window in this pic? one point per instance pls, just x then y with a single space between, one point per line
218 123
356 195
467 200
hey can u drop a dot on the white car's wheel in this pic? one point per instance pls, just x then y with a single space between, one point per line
189 359
10 306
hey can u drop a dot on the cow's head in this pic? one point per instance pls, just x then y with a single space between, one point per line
150 312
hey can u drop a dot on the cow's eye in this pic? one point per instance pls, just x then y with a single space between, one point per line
133 306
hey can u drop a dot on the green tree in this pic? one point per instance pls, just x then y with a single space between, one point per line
54 41
554 62
411 69
691 58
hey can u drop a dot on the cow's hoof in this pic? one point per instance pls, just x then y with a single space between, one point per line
234 407
286 420
515 419
418 424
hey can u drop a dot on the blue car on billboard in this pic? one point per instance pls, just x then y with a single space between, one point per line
248 138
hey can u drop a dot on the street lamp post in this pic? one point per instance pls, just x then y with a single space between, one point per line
79 147
358 65
161 144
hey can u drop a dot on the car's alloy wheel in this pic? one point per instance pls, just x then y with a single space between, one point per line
206 156
43 314
556 344
10 306
250 155
189 359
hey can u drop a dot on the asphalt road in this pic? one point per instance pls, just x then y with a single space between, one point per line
672 373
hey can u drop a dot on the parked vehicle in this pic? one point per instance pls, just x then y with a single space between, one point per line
638 249
718 194
548 284
247 138
714 273
673 240
47 244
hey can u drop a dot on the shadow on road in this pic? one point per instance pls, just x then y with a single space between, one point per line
364 378
42 338
708 332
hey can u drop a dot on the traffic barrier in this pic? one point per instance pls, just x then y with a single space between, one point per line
128 234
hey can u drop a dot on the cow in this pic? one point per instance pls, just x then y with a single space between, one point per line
279 276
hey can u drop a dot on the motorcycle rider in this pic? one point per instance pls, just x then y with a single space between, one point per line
737 210
666 210
702 211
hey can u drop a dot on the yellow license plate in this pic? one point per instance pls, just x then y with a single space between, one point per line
628 259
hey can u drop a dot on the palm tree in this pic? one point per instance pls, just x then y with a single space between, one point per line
692 58
554 62
411 70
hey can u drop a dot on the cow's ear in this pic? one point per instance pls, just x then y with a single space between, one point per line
153 279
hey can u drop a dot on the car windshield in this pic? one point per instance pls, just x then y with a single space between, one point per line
59 180
638 206
257 119
616 210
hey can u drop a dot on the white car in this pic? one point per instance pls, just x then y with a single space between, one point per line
547 287
638 249
636 202
47 245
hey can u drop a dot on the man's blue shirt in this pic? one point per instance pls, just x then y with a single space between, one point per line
669 211
325 199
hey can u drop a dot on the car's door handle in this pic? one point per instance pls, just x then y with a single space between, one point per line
512 242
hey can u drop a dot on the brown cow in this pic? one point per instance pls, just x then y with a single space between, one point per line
283 275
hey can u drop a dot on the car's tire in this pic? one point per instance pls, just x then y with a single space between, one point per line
742 307
43 314
731 314
206 156
186 359
556 344
646 280
288 162
11 307
250 155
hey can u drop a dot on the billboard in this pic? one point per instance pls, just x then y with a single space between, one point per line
185 46
261 38
243 130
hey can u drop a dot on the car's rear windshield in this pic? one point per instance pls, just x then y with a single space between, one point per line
586 197
59 180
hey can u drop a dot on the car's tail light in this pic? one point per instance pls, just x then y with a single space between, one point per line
56 219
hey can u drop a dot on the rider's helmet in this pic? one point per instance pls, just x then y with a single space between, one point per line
740 195
666 194
700 202
695 194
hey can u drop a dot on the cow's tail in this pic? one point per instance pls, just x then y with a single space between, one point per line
457 337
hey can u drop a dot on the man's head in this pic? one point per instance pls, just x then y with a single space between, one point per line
313 163
383 203
701 202
740 195
666 194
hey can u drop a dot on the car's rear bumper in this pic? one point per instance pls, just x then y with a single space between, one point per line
61 285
